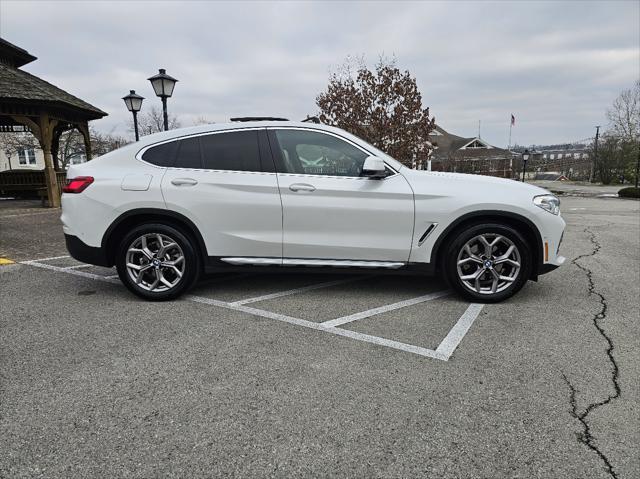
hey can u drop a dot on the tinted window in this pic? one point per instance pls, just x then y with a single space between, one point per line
161 155
231 151
315 153
189 154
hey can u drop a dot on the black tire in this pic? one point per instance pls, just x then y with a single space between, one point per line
520 276
191 268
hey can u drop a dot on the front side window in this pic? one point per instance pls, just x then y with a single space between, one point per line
315 153
27 156
234 151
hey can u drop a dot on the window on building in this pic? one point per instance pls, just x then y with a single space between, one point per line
27 157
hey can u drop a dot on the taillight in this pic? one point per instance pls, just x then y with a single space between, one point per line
78 184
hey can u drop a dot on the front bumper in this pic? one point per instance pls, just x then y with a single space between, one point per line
85 253
548 267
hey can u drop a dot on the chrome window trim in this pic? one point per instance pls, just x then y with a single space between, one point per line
143 150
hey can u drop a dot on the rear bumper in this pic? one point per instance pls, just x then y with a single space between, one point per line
85 253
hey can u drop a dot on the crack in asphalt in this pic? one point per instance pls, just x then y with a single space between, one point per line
586 437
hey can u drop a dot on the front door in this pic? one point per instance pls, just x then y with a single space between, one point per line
329 210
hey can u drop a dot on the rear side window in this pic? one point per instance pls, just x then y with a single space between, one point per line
161 155
237 151
189 154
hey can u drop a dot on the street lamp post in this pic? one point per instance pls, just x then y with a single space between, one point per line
8 153
163 86
525 158
134 104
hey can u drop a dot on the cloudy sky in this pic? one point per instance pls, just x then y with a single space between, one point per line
556 65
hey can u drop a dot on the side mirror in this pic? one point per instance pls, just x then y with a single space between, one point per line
374 168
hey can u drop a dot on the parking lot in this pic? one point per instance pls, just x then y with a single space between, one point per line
321 375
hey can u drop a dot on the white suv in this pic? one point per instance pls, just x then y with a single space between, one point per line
280 194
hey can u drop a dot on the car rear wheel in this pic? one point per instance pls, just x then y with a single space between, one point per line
488 263
157 262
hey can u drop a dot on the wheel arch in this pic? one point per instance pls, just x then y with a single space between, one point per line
130 219
522 224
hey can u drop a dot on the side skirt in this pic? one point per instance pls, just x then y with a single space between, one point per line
217 264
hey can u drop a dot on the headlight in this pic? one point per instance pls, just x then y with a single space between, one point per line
548 203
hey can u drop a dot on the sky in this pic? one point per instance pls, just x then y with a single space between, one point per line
557 66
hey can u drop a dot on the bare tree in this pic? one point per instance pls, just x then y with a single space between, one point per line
202 120
72 144
624 114
151 121
383 106
14 142
624 118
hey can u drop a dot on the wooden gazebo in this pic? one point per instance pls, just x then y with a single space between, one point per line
45 110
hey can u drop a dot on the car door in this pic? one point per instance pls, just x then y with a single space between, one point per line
226 184
330 212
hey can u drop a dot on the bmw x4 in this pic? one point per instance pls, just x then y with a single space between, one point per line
287 195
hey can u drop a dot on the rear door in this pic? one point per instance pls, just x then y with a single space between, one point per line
330 211
226 184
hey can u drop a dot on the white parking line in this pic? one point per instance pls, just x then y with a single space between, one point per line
78 266
410 348
443 352
303 289
452 340
383 309
30 261
60 269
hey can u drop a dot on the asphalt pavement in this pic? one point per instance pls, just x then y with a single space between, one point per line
254 376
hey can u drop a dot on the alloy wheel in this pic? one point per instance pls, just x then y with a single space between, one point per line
155 262
488 263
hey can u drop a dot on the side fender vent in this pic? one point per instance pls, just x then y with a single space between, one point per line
427 232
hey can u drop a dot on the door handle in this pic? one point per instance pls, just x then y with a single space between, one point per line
302 187
184 182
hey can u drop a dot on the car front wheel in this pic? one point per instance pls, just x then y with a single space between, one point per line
488 263
157 262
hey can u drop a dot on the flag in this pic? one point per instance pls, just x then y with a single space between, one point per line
513 119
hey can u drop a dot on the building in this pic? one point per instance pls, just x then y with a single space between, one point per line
573 161
469 155
19 152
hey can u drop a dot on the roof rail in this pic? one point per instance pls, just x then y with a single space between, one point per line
312 119
258 118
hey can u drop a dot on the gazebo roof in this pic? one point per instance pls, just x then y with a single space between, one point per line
14 55
22 89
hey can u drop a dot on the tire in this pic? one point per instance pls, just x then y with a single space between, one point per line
151 276
480 277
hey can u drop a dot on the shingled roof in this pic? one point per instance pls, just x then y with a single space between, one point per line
449 145
18 86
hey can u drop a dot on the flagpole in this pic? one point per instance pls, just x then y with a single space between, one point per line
509 147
